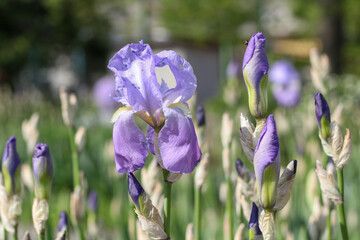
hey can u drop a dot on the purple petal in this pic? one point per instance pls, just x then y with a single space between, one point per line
184 76
136 82
255 63
283 72
321 108
178 143
150 138
267 150
11 159
63 221
130 144
135 189
288 94
232 70
102 90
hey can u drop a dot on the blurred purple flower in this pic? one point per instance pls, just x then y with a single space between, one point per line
163 109
286 83
255 67
102 91
233 68
267 164
43 171
10 167
93 201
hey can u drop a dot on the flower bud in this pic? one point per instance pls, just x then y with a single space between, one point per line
242 170
148 215
93 201
322 112
43 171
63 221
11 168
200 116
255 68
254 229
63 226
267 164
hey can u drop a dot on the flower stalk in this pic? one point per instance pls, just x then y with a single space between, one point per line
340 207
167 204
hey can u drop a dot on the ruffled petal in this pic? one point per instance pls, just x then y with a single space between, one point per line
150 138
178 143
130 144
134 68
184 76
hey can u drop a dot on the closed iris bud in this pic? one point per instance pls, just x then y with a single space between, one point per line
11 168
322 111
255 69
200 116
254 229
267 164
136 191
63 221
43 171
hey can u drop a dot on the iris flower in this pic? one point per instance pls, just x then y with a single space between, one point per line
287 83
171 131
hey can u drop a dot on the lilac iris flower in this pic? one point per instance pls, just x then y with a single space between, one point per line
11 167
286 83
164 109
322 112
43 171
267 164
255 67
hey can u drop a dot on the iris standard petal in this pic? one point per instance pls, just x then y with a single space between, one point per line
178 143
130 144
184 76
134 67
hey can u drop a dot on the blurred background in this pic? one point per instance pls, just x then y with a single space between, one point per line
46 44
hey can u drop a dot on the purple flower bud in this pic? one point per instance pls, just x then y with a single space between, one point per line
93 201
63 221
11 167
241 169
135 190
267 164
43 171
286 83
255 67
200 116
322 112
254 221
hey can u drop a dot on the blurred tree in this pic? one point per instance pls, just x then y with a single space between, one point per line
34 32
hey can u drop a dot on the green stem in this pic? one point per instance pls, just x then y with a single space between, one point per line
229 208
80 233
167 203
328 224
340 207
42 235
15 235
75 158
197 216
5 234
